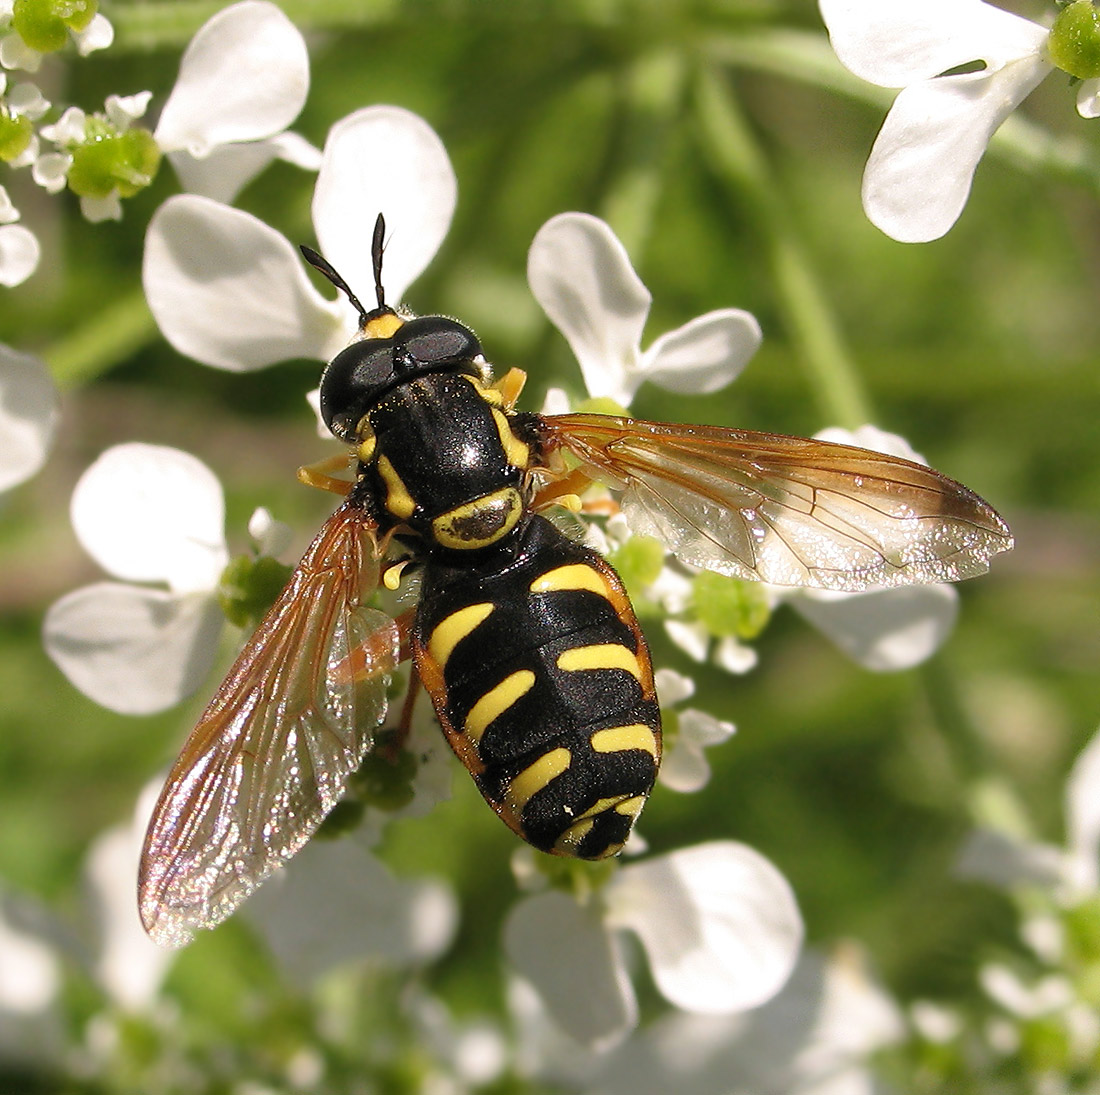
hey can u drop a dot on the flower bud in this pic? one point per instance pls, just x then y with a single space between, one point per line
1074 44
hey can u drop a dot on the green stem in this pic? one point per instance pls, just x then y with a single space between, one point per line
808 57
652 98
108 337
164 23
739 162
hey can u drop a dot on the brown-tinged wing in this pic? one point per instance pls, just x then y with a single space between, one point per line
786 510
273 750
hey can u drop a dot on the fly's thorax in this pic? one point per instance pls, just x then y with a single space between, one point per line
441 455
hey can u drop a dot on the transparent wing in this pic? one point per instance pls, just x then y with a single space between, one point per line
786 510
273 750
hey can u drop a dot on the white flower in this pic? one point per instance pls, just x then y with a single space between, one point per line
28 410
128 965
335 903
30 984
816 1037
243 79
19 254
1005 857
581 275
718 923
885 629
919 173
231 292
684 765
145 513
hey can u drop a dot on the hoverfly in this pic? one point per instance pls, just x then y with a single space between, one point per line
524 639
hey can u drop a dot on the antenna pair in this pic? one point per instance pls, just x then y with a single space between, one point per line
376 248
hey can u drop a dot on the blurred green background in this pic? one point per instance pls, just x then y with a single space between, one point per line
980 348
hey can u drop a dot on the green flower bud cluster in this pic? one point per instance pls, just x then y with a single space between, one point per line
45 24
16 131
110 161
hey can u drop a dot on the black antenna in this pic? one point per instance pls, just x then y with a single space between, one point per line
376 249
325 267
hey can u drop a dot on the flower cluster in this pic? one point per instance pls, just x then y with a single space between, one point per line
242 81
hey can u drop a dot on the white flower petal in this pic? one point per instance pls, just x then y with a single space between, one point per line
19 254
894 43
98 34
919 172
70 128
704 355
26 98
245 75
8 213
871 437
229 291
1083 816
132 650
718 922
30 972
886 629
98 210
225 171
692 639
50 170
734 656
574 965
1088 99
271 537
122 110
684 766
581 275
366 912
28 415
15 53
129 965
672 687
150 513
387 160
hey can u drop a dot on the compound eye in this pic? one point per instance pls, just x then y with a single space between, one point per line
435 340
351 383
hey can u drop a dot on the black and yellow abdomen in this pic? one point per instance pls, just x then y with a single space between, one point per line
542 681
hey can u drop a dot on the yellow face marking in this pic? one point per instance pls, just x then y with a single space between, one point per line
383 326
616 738
497 700
367 441
600 656
479 523
535 777
398 500
569 577
451 630
517 452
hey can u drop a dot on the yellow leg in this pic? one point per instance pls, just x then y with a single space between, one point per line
510 385
317 475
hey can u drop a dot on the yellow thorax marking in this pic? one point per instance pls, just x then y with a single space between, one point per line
517 452
479 523
497 700
450 631
398 500
600 656
535 777
616 738
569 577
